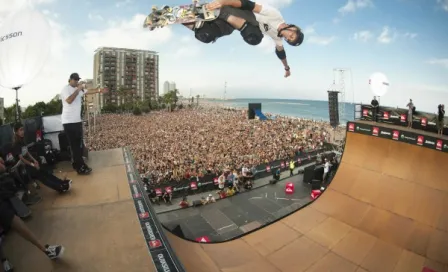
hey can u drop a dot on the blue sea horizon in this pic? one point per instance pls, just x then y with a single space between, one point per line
309 109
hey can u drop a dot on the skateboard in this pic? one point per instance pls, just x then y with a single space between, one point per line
183 14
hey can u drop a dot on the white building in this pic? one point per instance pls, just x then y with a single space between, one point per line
169 86
166 87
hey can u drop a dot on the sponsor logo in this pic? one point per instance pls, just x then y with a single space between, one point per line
424 122
403 117
154 242
363 129
203 239
445 146
268 169
142 213
135 192
439 145
351 127
386 115
420 140
193 185
428 142
165 266
387 133
409 138
394 117
365 112
10 36
375 131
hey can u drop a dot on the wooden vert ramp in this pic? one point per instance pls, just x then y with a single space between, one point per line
386 210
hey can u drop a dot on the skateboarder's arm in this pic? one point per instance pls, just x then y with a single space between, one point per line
281 54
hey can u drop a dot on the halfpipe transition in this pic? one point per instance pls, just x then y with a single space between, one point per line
385 210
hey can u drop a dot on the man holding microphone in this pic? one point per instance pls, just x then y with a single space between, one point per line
71 96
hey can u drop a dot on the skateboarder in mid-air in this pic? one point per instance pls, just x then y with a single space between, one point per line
270 22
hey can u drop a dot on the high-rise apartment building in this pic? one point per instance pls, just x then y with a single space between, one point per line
2 109
126 73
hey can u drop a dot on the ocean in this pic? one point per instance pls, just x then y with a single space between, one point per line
309 109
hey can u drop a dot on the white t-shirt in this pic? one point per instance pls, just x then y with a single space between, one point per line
269 20
71 113
221 182
327 167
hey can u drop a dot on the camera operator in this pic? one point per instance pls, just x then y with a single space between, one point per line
440 119
71 96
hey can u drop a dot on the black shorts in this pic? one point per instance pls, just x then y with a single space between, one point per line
6 216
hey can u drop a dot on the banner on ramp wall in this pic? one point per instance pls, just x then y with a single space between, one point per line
162 257
399 135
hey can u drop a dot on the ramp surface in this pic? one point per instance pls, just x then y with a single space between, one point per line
95 222
386 210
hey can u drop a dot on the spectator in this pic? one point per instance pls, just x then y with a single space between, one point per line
20 152
184 203
210 199
291 168
221 182
375 106
167 197
230 191
327 167
71 96
411 109
8 221
201 149
441 119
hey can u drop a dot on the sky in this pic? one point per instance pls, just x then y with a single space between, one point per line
404 39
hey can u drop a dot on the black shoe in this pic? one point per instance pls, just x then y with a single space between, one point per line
84 170
31 199
66 186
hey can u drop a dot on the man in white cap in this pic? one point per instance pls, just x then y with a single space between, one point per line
71 96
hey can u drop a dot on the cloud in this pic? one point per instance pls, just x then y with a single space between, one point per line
354 5
126 34
187 48
123 3
314 38
95 17
441 62
276 3
321 40
443 4
363 36
386 36
410 35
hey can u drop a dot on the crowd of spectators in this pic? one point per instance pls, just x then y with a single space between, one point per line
192 142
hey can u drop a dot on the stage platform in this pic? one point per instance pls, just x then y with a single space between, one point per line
95 221
386 210
239 214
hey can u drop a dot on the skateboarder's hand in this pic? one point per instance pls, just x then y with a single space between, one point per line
287 73
214 5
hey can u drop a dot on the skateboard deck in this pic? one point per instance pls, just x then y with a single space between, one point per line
183 14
